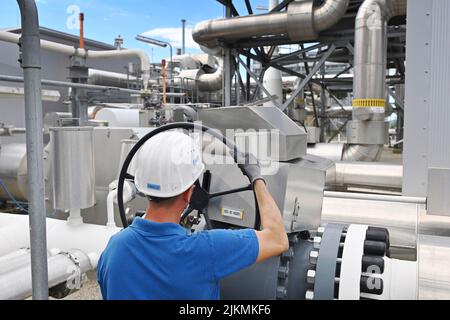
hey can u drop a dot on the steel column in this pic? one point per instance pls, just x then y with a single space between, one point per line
31 64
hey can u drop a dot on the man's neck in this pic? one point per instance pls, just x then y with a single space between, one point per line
163 215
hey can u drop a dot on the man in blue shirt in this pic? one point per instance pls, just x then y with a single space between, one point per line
156 259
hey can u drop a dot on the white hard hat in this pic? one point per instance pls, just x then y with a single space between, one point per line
168 165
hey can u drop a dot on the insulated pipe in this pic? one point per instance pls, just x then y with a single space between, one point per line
329 13
366 174
400 218
31 64
112 196
92 239
371 57
301 21
360 152
71 51
369 84
205 82
210 82
64 267
434 274
63 84
273 77
14 261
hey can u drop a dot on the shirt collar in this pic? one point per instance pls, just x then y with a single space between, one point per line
160 229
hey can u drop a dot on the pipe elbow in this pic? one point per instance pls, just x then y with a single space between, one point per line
329 13
212 81
201 32
362 153
386 9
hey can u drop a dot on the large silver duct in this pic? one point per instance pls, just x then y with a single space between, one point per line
368 131
363 152
366 174
301 21
371 57
197 79
210 82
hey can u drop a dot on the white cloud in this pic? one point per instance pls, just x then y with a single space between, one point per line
174 36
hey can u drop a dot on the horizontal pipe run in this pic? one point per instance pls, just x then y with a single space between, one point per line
14 260
301 21
367 174
63 267
63 84
372 197
72 51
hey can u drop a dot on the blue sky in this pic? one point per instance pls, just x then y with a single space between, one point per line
105 19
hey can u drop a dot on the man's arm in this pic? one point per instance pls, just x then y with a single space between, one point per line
273 240
235 250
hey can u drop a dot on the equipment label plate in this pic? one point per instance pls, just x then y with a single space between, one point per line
232 213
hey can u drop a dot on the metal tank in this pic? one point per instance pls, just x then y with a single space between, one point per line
73 167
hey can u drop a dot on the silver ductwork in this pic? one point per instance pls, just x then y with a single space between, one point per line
210 82
368 131
362 152
301 21
198 79
366 174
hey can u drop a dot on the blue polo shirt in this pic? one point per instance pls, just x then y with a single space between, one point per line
161 261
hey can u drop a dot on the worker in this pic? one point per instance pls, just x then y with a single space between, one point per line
156 258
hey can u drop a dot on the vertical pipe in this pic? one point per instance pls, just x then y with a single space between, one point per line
31 64
171 73
248 82
81 30
164 83
273 77
228 74
183 48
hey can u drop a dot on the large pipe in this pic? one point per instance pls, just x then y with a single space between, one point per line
369 84
371 56
273 77
210 82
366 174
64 84
198 79
92 239
31 64
363 152
400 218
14 260
63 267
301 21
434 274
71 51
404 217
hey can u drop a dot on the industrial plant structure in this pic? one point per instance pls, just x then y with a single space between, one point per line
344 102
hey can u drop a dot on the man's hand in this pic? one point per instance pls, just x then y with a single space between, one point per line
249 166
